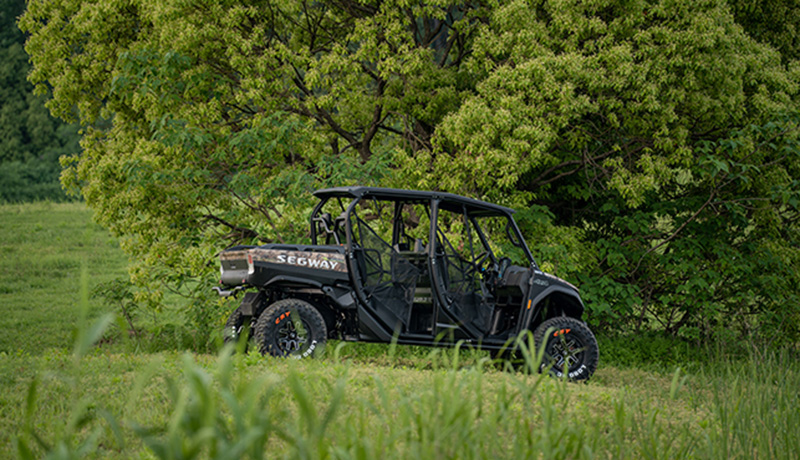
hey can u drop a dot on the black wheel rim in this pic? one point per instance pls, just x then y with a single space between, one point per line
566 353
292 339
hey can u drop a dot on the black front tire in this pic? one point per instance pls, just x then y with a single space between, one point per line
290 327
570 347
236 326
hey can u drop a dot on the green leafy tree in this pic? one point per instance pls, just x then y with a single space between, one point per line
649 144
656 133
208 123
771 21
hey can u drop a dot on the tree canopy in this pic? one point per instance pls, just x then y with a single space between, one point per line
771 21
651 146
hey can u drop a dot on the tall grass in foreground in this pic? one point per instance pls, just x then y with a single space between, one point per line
756 408
244 406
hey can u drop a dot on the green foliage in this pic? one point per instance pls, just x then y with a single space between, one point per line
219 127
119 293
658 352
10 34
31 141
657 136
651 145
32 180
605 95
771 21
720 252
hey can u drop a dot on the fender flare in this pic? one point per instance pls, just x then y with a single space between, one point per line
293 280
340 297
536 304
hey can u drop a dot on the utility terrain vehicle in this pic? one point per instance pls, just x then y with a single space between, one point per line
422 268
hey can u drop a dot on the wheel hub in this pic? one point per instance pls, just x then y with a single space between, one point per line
290 339
566 353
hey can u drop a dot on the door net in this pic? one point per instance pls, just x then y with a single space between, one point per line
458 251
389 279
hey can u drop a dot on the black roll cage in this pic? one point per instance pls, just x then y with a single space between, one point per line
450 312
443 286
468 207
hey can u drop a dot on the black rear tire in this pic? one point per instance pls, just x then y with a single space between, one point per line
290 327
569 348
236 326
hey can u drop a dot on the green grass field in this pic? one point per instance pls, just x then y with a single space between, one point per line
63 397
42 249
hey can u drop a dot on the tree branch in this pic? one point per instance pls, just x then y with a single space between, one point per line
676 232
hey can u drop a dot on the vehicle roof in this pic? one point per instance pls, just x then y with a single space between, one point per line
449 201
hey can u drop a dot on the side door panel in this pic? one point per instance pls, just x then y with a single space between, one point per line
462 313
385 278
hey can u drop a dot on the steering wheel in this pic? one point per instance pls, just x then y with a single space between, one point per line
479 261
477 265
